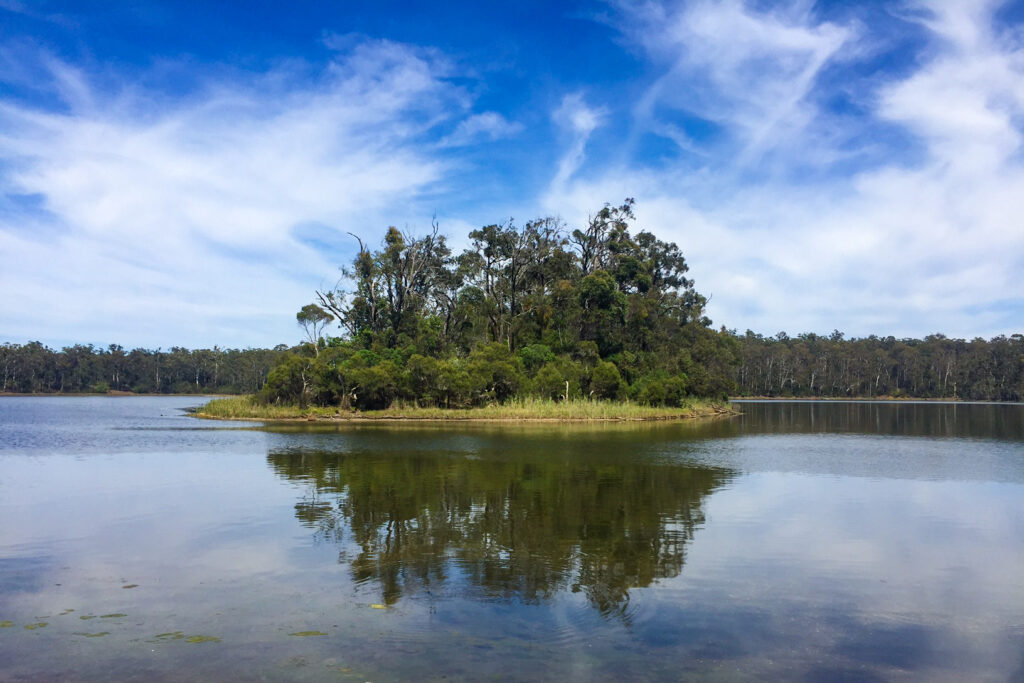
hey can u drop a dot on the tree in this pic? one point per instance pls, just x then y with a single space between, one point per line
313 319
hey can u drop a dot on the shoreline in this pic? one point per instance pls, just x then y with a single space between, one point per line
860 399
109 394
235 409
364 419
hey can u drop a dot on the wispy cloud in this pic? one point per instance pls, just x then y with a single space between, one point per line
747 70
179 214
485 127
821 166
905 246
578 120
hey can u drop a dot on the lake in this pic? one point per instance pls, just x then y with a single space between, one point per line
799 541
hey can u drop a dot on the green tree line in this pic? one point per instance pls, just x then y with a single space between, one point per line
34 368
601 311
833 366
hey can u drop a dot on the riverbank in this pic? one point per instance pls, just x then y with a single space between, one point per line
863 399
92 394
530 410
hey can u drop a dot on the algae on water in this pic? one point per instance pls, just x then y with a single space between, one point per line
164 637
178 635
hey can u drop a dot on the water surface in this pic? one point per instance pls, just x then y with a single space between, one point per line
800 541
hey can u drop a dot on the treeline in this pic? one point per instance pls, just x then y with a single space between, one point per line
34 368
832 366
536 309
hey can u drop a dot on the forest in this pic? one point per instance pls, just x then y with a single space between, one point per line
809 365
832 366
602 311
33 368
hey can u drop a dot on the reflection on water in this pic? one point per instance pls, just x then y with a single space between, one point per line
523 528
903 418
799 541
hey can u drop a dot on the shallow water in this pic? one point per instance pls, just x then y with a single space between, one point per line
835 541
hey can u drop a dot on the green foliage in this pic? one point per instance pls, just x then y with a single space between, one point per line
495 374
533 356
35 368
833 366
660 389
376 387
516 408
532 309
289 381
608 309
313 320
605 380
517 314
559 379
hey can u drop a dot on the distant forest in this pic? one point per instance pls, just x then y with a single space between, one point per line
599 311
36 369
778 366
832 366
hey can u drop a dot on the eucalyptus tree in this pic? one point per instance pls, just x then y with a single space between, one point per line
313 319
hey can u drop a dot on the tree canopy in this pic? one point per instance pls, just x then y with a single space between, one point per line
601 311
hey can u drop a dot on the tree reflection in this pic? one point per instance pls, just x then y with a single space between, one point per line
513 528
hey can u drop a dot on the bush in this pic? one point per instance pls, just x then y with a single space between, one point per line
495 374
374 388
289 381
422 375
660 389
605 381
454 385
535 356
550 379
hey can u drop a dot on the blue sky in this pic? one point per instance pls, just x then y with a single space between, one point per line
186 173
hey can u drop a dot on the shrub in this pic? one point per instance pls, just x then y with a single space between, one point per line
605 381
550 379
535 356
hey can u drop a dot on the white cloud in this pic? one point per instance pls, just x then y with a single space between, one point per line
729 64
579 120
903 248
200 218
172 221
487 126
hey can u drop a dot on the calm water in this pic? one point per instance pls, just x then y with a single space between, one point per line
801 541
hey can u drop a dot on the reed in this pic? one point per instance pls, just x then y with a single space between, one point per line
526 408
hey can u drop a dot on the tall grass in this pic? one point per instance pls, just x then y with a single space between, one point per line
243 408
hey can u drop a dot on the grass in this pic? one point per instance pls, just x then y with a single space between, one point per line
244 408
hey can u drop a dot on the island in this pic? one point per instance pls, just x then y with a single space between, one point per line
532 321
